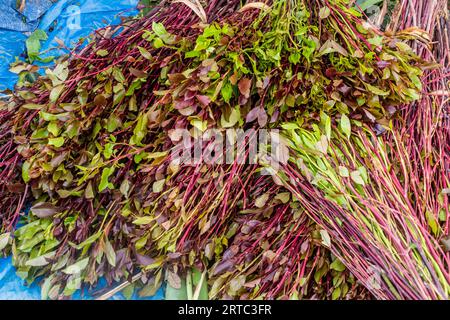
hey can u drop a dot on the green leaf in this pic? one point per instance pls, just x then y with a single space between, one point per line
345 126
216 286
325 120
336 293
110 253
324 12
77 267
295 57
158 185
261 200
125 187
4 240
40 134
227 92
57 142
147 55
156 155
322 144
233 119
53 117
416 81
104 183
41 260
376 41
108 151
163 36
432 222
89 192
343 172
56 92
53 128
290 126
158 43
363 171
356 177
25 171
310 47
159 29
143 221
114 122
102 53
199 124
412 93
140 131
33 44
33 106
88 241
376 90
44 210
331 46
290 100
119 77
325 238
366 4
284 197
137 84
140 156
337 265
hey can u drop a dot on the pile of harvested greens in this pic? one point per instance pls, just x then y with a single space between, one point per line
356 207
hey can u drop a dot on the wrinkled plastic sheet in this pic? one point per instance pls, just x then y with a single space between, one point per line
68 20
11 18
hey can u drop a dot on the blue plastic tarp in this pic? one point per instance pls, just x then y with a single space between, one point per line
67 20
11 18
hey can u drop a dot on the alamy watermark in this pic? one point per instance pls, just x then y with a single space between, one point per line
230 146
74 17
